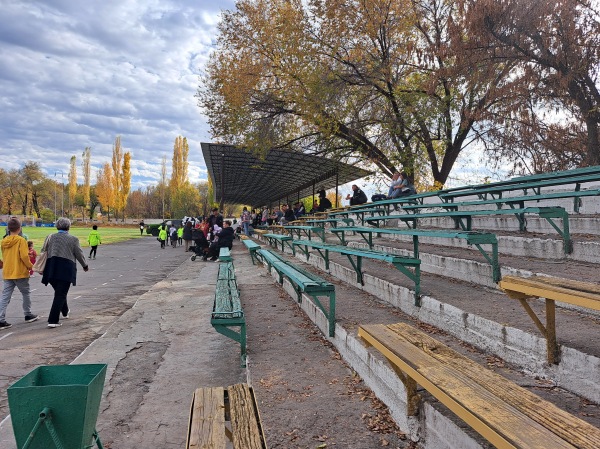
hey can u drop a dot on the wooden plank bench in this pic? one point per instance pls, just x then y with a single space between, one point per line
510 201
497 190
252 248
220 415
464 219
333 222
306 230
304 282
360 213
410 267
471 237
274 239
582 294
505 414
227 313
225 255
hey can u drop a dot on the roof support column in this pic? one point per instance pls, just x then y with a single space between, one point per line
337 179
222 182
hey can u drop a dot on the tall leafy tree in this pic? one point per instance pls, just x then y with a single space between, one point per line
121 169
86 166
372 80
556 46
105 188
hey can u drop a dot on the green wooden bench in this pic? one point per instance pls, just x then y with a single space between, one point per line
331 221
360 213
225 255
463 219
497 191
303 281
219 416
471 237
510 201
252 248
275 239
306 230
227 310
408 266
582 294
505 414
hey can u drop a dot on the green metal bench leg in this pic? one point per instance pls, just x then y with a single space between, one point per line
565 233
357 268
493 261
331 314
240 336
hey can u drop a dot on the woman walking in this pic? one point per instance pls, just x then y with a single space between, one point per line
64 251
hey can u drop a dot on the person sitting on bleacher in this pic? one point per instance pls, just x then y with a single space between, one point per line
358 196
288 215
315 208
324 202
299 210
225 240
406 187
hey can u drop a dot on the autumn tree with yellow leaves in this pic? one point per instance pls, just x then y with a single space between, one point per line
72 181
396 84
121 170
86 166
105 190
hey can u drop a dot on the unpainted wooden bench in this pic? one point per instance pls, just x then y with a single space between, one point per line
220 415
505 414
582 294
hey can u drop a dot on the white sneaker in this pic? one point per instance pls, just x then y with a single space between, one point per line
67 315
54 325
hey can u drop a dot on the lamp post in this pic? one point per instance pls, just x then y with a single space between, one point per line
62 175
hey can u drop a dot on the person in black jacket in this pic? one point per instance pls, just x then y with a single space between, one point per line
358 196
225 240
288 214
324 202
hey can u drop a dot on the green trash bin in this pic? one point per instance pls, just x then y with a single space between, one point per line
57 407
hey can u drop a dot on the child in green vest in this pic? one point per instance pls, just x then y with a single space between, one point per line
94 241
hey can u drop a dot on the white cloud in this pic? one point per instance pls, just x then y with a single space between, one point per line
77 74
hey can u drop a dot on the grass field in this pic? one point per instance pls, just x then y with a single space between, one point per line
107 234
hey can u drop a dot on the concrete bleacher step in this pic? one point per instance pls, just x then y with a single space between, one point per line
477 316
435 428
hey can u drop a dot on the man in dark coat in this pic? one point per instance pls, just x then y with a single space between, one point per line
358 196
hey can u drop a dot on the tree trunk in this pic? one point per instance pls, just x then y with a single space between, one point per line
593 143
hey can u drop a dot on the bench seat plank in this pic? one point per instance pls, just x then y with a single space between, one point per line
499 422
583 294
207 419
564 424
245 422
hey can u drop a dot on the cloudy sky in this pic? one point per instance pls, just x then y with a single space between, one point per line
77 74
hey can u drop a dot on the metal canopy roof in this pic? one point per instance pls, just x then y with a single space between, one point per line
282 174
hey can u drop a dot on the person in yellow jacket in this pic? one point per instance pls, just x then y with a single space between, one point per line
94 240
180 235
15 272
162 236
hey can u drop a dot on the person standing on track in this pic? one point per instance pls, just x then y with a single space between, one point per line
15 272
94 240
64 251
